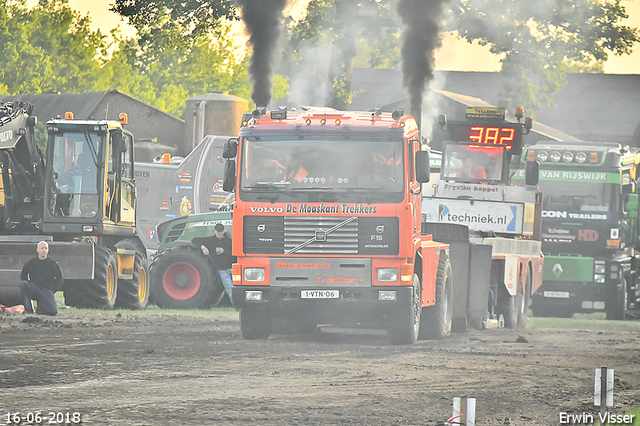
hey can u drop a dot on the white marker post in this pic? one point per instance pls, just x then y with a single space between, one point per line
603 395
465 410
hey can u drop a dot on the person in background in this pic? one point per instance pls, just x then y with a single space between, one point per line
218 248
41 278
470 170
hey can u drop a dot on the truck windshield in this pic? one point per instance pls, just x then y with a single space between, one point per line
579 196
75 174
472 163
343 169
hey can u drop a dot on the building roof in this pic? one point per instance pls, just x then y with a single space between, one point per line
83 105
597 107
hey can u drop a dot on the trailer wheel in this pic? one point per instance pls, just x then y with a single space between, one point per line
616 302
100 292
134 293
404 329
254 323
525 301
437 319
183 278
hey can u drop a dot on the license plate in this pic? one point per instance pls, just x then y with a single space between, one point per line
556 294
320 294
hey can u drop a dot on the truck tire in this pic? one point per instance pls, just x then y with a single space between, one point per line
405 329
525 301
100 292
255 323
437 319
510 306
183 278
616 302
134 293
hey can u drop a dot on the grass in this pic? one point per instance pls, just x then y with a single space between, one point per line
229 313
583 321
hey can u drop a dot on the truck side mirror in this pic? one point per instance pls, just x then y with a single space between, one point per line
229 182
532 173
423 168
631 205
230 148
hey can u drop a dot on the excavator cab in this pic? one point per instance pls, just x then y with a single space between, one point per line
89 186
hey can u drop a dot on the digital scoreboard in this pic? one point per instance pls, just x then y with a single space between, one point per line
488 133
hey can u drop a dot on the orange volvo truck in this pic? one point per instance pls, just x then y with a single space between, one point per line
327 225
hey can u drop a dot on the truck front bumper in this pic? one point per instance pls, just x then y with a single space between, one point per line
370 306
572 296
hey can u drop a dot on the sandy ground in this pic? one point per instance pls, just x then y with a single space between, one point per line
167 369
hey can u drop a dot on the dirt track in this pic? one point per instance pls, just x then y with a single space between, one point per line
133 369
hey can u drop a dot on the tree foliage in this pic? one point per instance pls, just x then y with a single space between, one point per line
50 48
540 41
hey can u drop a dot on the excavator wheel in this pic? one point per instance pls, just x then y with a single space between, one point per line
183 278
134 293
100 292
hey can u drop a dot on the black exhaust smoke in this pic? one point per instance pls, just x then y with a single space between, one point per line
420 38
263 20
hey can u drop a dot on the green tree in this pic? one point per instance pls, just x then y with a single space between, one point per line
540 41
48 48
184 48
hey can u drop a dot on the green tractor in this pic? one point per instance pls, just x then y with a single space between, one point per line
181 276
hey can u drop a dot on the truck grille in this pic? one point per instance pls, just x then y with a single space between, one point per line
325 235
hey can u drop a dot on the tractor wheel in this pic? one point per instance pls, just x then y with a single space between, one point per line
183 278
102 290
404 329
255 324
437 319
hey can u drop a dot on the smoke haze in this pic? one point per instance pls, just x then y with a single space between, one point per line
420 38
263 20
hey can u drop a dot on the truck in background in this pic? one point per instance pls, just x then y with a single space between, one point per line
474 189
589 228
326 225
80 196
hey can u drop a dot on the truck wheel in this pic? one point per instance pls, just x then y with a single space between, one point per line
100 292
616 302
437 319
404 329
183 278
254 323
525 300
510 306
134 293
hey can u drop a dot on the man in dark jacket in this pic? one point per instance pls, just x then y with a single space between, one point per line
41 278
218 248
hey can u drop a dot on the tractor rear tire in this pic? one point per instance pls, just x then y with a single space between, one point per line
437 319
183 278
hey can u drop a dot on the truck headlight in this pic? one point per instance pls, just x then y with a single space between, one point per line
598 268
387 274
254 274
599 278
